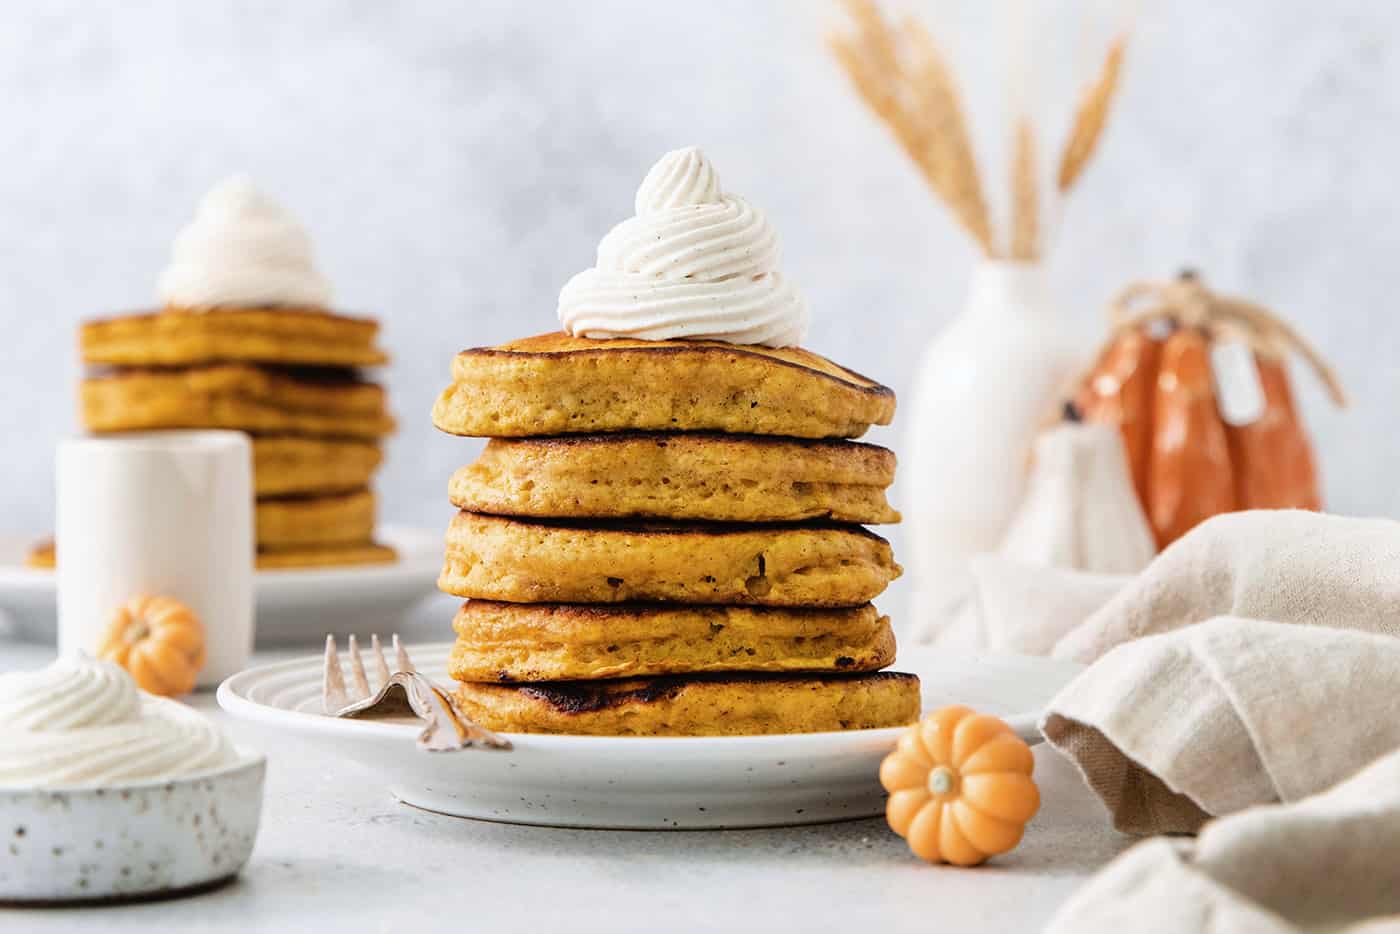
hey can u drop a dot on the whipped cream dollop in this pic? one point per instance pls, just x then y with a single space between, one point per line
83 722
242 249
693 263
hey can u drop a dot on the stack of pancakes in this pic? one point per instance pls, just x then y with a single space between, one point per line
290 378
665 537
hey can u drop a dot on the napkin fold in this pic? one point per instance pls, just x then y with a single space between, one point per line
1288 566
1173 729
1324 860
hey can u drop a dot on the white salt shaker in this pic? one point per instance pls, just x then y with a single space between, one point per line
166 513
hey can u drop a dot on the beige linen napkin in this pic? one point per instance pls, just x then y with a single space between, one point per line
1325 860
1283 565
1208 720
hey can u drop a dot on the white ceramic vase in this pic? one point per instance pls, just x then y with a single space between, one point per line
984 388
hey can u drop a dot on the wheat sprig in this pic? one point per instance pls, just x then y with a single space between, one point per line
1025 194
1091 116
909 86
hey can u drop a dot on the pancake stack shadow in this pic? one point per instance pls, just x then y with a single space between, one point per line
666 538
291 378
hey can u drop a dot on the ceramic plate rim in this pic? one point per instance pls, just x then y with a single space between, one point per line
1025 723
410 541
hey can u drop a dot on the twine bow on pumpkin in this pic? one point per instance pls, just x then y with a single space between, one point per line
1186 302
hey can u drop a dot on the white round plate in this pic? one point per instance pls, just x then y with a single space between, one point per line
640 782
293 606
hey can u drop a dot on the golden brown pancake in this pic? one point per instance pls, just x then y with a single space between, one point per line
557 384
541 561
183 337
714 477
42 556
568 641
731 704
306 521
286 466
277 559
238 396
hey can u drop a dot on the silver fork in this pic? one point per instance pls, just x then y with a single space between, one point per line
401 692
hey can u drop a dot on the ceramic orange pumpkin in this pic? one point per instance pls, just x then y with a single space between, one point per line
1154 381
960 787
159 641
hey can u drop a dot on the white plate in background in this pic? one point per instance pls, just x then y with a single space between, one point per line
639 782
298 605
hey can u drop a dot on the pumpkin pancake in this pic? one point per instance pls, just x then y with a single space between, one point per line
277 559
558 384
568 641
286 466
729 704
543 561
270 559
184 337
238 396
314 521
725 478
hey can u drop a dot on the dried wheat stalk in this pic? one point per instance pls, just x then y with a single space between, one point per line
1091 116
905 80
910 87
1025 194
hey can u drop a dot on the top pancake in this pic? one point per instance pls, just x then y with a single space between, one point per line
557 384
184 337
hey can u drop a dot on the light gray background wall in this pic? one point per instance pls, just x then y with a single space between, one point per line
457 162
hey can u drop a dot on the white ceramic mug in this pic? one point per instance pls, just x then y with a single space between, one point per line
167 513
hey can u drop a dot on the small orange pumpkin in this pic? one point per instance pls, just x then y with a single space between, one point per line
960 787
159 641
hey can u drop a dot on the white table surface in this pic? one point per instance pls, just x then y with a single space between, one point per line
338 854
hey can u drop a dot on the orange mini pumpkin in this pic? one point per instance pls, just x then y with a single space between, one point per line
960 787
159 641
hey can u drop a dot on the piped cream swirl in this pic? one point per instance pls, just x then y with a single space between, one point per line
692 263
243 250
81 722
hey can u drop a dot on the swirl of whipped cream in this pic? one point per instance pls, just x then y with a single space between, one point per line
693 263
242 249
82 722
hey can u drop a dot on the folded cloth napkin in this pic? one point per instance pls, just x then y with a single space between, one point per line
1324 860
1288 566
1173 729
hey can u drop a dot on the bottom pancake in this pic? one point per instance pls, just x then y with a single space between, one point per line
276 559
563 641
42 556
727 704
315 521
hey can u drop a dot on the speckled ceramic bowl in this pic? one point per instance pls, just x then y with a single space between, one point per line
141 840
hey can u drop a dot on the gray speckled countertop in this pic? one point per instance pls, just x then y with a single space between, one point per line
336 854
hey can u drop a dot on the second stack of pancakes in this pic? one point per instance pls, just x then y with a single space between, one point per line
246 340
666 537
287 376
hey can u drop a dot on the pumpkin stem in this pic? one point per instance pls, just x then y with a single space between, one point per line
136 630
942 780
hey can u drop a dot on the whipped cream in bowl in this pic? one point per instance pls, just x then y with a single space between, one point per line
242 250
692 263
106 791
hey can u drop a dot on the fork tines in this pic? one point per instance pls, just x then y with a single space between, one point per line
335 695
